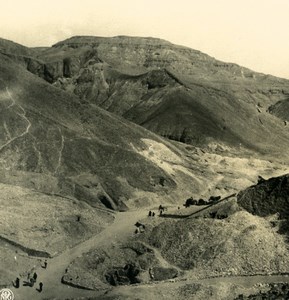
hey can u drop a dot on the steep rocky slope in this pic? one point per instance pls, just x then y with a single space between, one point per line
78 149
62 165
54 142
177 92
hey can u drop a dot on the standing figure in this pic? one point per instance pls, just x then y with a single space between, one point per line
45 264
32 281
40 287
17 283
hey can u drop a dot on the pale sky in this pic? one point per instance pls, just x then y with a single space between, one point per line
251 33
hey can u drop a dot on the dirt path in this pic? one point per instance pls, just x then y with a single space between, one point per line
119 230
246 281
165 290
22 115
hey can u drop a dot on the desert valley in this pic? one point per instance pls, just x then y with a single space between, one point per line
134 168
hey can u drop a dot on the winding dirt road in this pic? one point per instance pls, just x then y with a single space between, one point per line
121 229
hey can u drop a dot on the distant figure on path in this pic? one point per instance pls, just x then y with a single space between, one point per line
153 214
32 281
78 218
45 264
150 213
17 283
161 209
40 287
151 273
34 276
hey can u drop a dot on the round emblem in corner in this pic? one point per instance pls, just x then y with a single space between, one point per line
6 294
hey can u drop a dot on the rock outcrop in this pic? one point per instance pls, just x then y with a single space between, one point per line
267 197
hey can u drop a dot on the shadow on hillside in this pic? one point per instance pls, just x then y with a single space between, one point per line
174 216
284 228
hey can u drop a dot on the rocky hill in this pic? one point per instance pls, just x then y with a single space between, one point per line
66 165
81 150
177 92
75 148
224 241
76 174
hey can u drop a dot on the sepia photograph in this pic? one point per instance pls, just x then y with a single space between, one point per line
144 150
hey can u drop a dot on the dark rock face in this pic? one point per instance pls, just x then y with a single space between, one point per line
281 110
268 197
123 276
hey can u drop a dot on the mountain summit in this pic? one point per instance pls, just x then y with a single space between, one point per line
174 91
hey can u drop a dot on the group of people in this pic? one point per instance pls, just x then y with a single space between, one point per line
141 228
151 214
31 279
161 210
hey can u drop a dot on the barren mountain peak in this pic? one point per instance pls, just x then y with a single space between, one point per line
130 40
